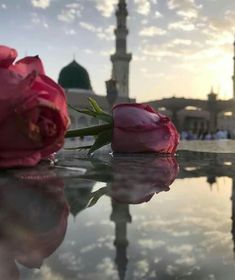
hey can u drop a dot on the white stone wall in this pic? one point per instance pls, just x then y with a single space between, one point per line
121 75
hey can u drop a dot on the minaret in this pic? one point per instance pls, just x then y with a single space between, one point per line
121 216
121 59
233 215
234 71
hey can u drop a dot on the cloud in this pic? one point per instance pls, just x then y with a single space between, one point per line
88 26
3 6
38 20
107 33
188 14
141 269
70 12
219 31
106 267
150 243
171 270
186 261
70 32
151 31
183 249
107 53
181 4
88 51
158 53
187 9
47 274
67 15
227 23
158 14
177 48
43 4
105 7
220 39
143 7
182 25
102 33
182 42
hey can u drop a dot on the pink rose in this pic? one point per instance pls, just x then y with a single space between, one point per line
137 180
33 111
139 128
34 219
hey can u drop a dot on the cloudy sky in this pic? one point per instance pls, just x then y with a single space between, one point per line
179 47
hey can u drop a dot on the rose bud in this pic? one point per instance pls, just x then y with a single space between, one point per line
33 111
139 128
137 180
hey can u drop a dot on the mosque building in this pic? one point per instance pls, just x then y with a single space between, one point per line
187 114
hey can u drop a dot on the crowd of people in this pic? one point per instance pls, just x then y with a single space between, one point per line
205 135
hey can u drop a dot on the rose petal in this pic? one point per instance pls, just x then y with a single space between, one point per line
27 65
51 91
134 117
7 56
138 128
23 161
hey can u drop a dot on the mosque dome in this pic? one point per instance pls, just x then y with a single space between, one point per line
74 76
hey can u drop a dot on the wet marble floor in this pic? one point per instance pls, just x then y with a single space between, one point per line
121 217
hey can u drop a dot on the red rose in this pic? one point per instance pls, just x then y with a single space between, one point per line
33 111
139 128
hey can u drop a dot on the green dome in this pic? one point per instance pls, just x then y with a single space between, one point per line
74 76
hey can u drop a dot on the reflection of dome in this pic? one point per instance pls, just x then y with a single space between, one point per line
74 76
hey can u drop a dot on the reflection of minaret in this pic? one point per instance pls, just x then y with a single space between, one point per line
121 216
121 58
234 72
233 214
211 179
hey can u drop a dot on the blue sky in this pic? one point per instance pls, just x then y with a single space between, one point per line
179 47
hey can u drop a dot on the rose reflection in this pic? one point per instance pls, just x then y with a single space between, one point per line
135 180
33 220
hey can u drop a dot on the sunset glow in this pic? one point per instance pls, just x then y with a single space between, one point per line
179 47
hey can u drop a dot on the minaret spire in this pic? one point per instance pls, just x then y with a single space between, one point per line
121 216
233 215
234 70
121 31
121 58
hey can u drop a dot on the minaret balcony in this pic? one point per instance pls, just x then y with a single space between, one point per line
121 32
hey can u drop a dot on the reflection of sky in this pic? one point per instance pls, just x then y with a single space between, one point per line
170 41
184 233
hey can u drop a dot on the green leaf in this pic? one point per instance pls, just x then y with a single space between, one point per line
95 196
94 105
86 111
92 130
103 138
99 111
101 115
